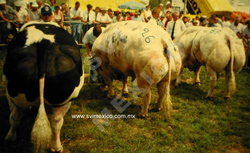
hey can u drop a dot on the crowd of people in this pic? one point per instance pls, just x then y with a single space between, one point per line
77 22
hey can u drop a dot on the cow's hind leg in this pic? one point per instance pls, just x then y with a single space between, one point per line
213 78
125 86
15 118
144 87
57 122
231 85
164 97
197 76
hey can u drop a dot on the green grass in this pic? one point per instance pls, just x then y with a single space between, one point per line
197 124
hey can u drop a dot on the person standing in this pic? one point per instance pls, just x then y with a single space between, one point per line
168 7
103 18
67 25
176 26
161 9
22 14
162 22
147 13
88 17
58 16
137 17
33 12
7 14
155 15
118 17
237 26
75 15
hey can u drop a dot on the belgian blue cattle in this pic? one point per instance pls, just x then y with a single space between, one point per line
143 51
219 49
43 65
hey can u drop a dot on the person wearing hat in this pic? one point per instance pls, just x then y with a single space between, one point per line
46 14
161 9
75 15
168 7
138 17
103 18
7 13
22 13
147 13
162 21
33 12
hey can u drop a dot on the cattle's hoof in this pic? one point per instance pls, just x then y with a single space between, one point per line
142 115
210 98
156 109
227 98
111 96
10 138
197 83
60 150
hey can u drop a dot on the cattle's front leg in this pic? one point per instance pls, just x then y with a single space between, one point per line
15 118
57 122
213 78
197 76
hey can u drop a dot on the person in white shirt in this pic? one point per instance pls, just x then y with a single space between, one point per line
155 15
88 17
161 9
118 17
185 21
237 26
138 17
176 26
103 18
88 40
75 15
22 13
162 21
147 13
225 21
168 8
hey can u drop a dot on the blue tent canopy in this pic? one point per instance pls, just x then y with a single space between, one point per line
133 5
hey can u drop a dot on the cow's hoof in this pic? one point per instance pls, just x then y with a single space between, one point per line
111 96
142 115
10 138
58 150
227 98
197 83
209 98
156 109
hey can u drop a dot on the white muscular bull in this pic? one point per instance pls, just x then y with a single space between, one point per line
139 50
218 49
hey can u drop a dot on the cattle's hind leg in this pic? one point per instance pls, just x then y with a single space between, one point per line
57 122
144 87
213 78
15 118
231 85
125 86
197 76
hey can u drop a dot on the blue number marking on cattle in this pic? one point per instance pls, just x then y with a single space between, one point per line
215 31
146 31
148 40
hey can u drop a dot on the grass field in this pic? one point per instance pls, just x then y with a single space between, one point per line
197 124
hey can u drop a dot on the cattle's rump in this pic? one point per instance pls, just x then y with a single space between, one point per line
219 49
61 64
139 50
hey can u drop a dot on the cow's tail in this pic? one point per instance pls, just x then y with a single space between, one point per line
167 104
41 134
231 79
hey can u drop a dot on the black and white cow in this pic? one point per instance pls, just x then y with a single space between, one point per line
43 65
